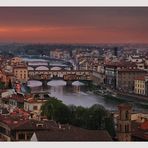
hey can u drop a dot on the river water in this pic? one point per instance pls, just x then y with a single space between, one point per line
78 95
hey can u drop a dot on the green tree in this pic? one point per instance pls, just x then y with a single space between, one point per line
93 118
54 109
96 115
2 85
110 125
80 115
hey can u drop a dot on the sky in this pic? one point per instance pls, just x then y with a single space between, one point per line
74 24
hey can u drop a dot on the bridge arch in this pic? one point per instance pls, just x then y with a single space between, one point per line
55 68
34 83
30 68
42 68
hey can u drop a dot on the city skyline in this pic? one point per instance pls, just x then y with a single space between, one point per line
74 24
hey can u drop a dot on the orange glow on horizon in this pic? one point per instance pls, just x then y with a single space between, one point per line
71 34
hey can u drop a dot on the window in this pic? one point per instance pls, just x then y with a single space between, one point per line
35 108
21 136
126 115
126 128
120 128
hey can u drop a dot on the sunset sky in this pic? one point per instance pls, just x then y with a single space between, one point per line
74 25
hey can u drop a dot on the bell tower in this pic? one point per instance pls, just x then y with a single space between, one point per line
124 123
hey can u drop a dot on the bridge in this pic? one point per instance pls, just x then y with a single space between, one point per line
45 65
67 75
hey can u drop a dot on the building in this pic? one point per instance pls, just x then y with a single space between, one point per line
13 101
71 133
6 77
16 60
124 123
7 93
125 78
135 59
21 72
18 127
33 106
112 72
98 78
141 85
140 131
57 54
139 125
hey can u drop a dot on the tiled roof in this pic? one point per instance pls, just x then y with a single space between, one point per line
144 125
18 98
124 106
131 70
73 134
22 123
142 78
140 130
121 64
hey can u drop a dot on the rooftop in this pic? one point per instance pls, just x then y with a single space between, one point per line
18 98
124 106
16 122
72 133
142 78
140 130
131 70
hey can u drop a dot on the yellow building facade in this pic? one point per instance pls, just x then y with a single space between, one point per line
139 86
21 73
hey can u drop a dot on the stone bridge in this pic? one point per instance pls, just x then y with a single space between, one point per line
62 74
45 65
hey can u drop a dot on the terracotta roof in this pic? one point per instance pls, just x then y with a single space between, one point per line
144 125
138 132
22 123
121 64
134 70
3 90
124 106
142 78
17 97
35 100
73 134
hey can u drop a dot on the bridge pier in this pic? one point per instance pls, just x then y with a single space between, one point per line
44 84
69 83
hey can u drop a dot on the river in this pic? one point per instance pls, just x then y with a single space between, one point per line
79 96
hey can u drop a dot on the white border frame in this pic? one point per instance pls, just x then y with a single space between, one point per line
83 3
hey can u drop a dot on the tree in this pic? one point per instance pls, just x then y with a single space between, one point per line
110 125
96 115
93 118
54 109
79 118
2 85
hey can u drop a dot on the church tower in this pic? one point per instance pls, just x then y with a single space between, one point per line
124 123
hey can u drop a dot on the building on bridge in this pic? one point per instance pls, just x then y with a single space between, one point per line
67 75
